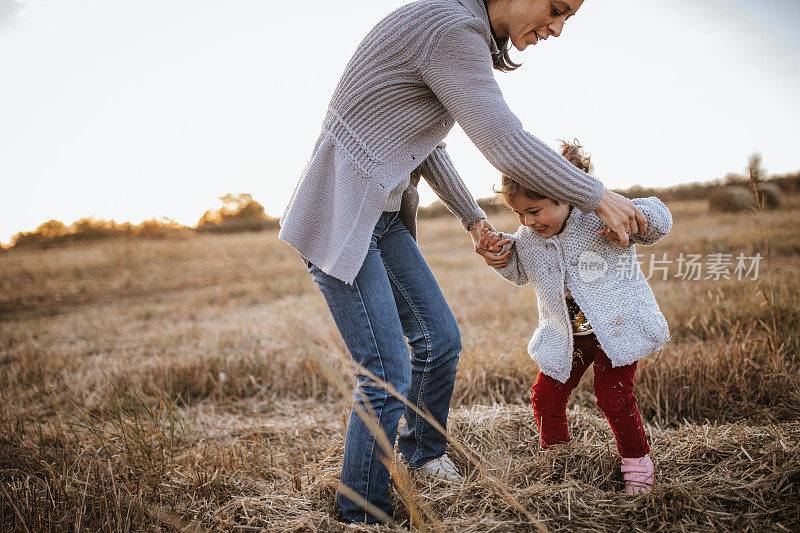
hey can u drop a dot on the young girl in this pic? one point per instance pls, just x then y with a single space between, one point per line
595 307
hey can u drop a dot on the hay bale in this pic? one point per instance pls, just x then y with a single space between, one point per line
731 200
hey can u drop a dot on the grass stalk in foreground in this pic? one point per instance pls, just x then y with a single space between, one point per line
397 470
403 482
757 209
505 492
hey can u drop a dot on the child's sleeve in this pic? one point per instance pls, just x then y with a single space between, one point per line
659 220
514 271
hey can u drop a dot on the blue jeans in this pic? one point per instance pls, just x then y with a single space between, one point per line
394 295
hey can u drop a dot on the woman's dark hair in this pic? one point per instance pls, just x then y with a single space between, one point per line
501 60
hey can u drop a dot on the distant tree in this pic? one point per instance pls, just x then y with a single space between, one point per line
52 229
754 169
239 212
732 178
91 228
25 239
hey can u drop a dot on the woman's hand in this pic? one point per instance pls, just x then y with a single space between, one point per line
481 231
621 217
493 243
477 230
609 234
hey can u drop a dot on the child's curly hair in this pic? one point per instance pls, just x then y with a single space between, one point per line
572 152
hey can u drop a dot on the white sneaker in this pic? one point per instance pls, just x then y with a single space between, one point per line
442 468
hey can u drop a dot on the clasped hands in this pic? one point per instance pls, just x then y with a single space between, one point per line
489 243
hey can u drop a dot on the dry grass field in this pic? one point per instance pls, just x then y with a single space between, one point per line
178 385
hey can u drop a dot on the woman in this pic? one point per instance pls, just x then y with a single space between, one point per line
422 68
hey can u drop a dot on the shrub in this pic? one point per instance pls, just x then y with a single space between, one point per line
769 195
435 210
53 232
494 204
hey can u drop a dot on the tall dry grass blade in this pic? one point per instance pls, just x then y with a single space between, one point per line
402 482
79 514
366 505
505 493
166 517
774 342
16 510
331 374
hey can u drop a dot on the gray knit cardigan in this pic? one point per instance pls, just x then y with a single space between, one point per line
424 67
605 280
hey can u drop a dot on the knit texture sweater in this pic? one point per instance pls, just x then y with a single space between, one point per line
422 68
605 280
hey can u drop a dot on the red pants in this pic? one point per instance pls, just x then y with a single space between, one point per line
613 388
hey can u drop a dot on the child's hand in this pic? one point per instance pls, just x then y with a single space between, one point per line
490 246
492 241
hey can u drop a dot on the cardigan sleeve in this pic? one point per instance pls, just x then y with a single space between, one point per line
439 172
459 72
514 271
659 220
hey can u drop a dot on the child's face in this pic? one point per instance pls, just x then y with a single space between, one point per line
543 216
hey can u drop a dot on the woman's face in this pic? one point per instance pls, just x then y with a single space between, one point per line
530 21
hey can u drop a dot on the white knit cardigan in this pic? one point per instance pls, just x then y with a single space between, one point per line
424 67
605 280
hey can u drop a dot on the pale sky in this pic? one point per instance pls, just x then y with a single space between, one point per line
138 109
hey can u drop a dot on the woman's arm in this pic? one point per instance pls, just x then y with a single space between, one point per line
443 178
459 72
439 172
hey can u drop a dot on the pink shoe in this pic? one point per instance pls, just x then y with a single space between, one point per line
639 473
